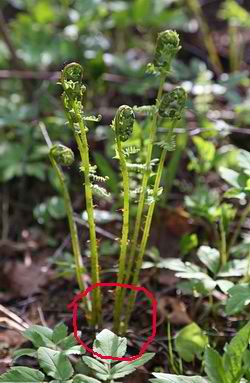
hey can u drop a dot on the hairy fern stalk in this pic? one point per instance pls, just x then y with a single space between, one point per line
132 249
71 81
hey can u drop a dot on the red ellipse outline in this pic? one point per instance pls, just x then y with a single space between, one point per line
74 305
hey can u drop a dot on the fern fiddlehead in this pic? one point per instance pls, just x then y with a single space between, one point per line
59 156
123 127
71 80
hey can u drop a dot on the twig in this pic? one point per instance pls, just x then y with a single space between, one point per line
13 316
12 324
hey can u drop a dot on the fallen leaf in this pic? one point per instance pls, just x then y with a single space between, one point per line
23 281
174 310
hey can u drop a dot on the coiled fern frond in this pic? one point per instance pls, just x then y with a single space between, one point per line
123 122
62 155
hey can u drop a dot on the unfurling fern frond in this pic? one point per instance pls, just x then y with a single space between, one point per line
135 192
168 146
71 80
145 110
123 122
62 155
100 191
130 150
92 118
151 198
173 103
99 178
137 168
167 46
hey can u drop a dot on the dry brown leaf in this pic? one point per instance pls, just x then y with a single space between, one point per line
174 310
23 281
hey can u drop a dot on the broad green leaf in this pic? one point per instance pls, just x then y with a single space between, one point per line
101 368
75 350
224 285
210 258
125 368
22 375
84 379
169 378
235 193
205 148
244 159
213 366
234 354
190 342
68 342
240 298
60 332
39 335
55 363
232 177
108 343
188 243
24 352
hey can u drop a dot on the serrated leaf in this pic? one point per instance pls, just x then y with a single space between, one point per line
55 363
84 379
109 344
240 298
213 366
22 374
210 258
68 342
190 342
39 335
75 350
125 368
102 370
24 352
233 357
169 378
60 332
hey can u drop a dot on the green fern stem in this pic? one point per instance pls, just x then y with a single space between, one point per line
141 203
125 233
80 269
140 209
146 229
82 144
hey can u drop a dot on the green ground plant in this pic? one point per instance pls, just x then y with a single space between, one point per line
169 106
53 351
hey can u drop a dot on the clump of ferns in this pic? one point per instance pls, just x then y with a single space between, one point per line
168 106
147 191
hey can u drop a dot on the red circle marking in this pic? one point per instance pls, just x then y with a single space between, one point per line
74 306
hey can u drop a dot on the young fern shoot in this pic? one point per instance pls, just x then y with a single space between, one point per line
59 156
71 81
171 108
167 46
123 127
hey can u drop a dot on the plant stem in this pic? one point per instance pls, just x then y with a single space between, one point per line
84 153
145 179
195 7
147 226
233 48
141 202
236 233
223 243
125 232
80 269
